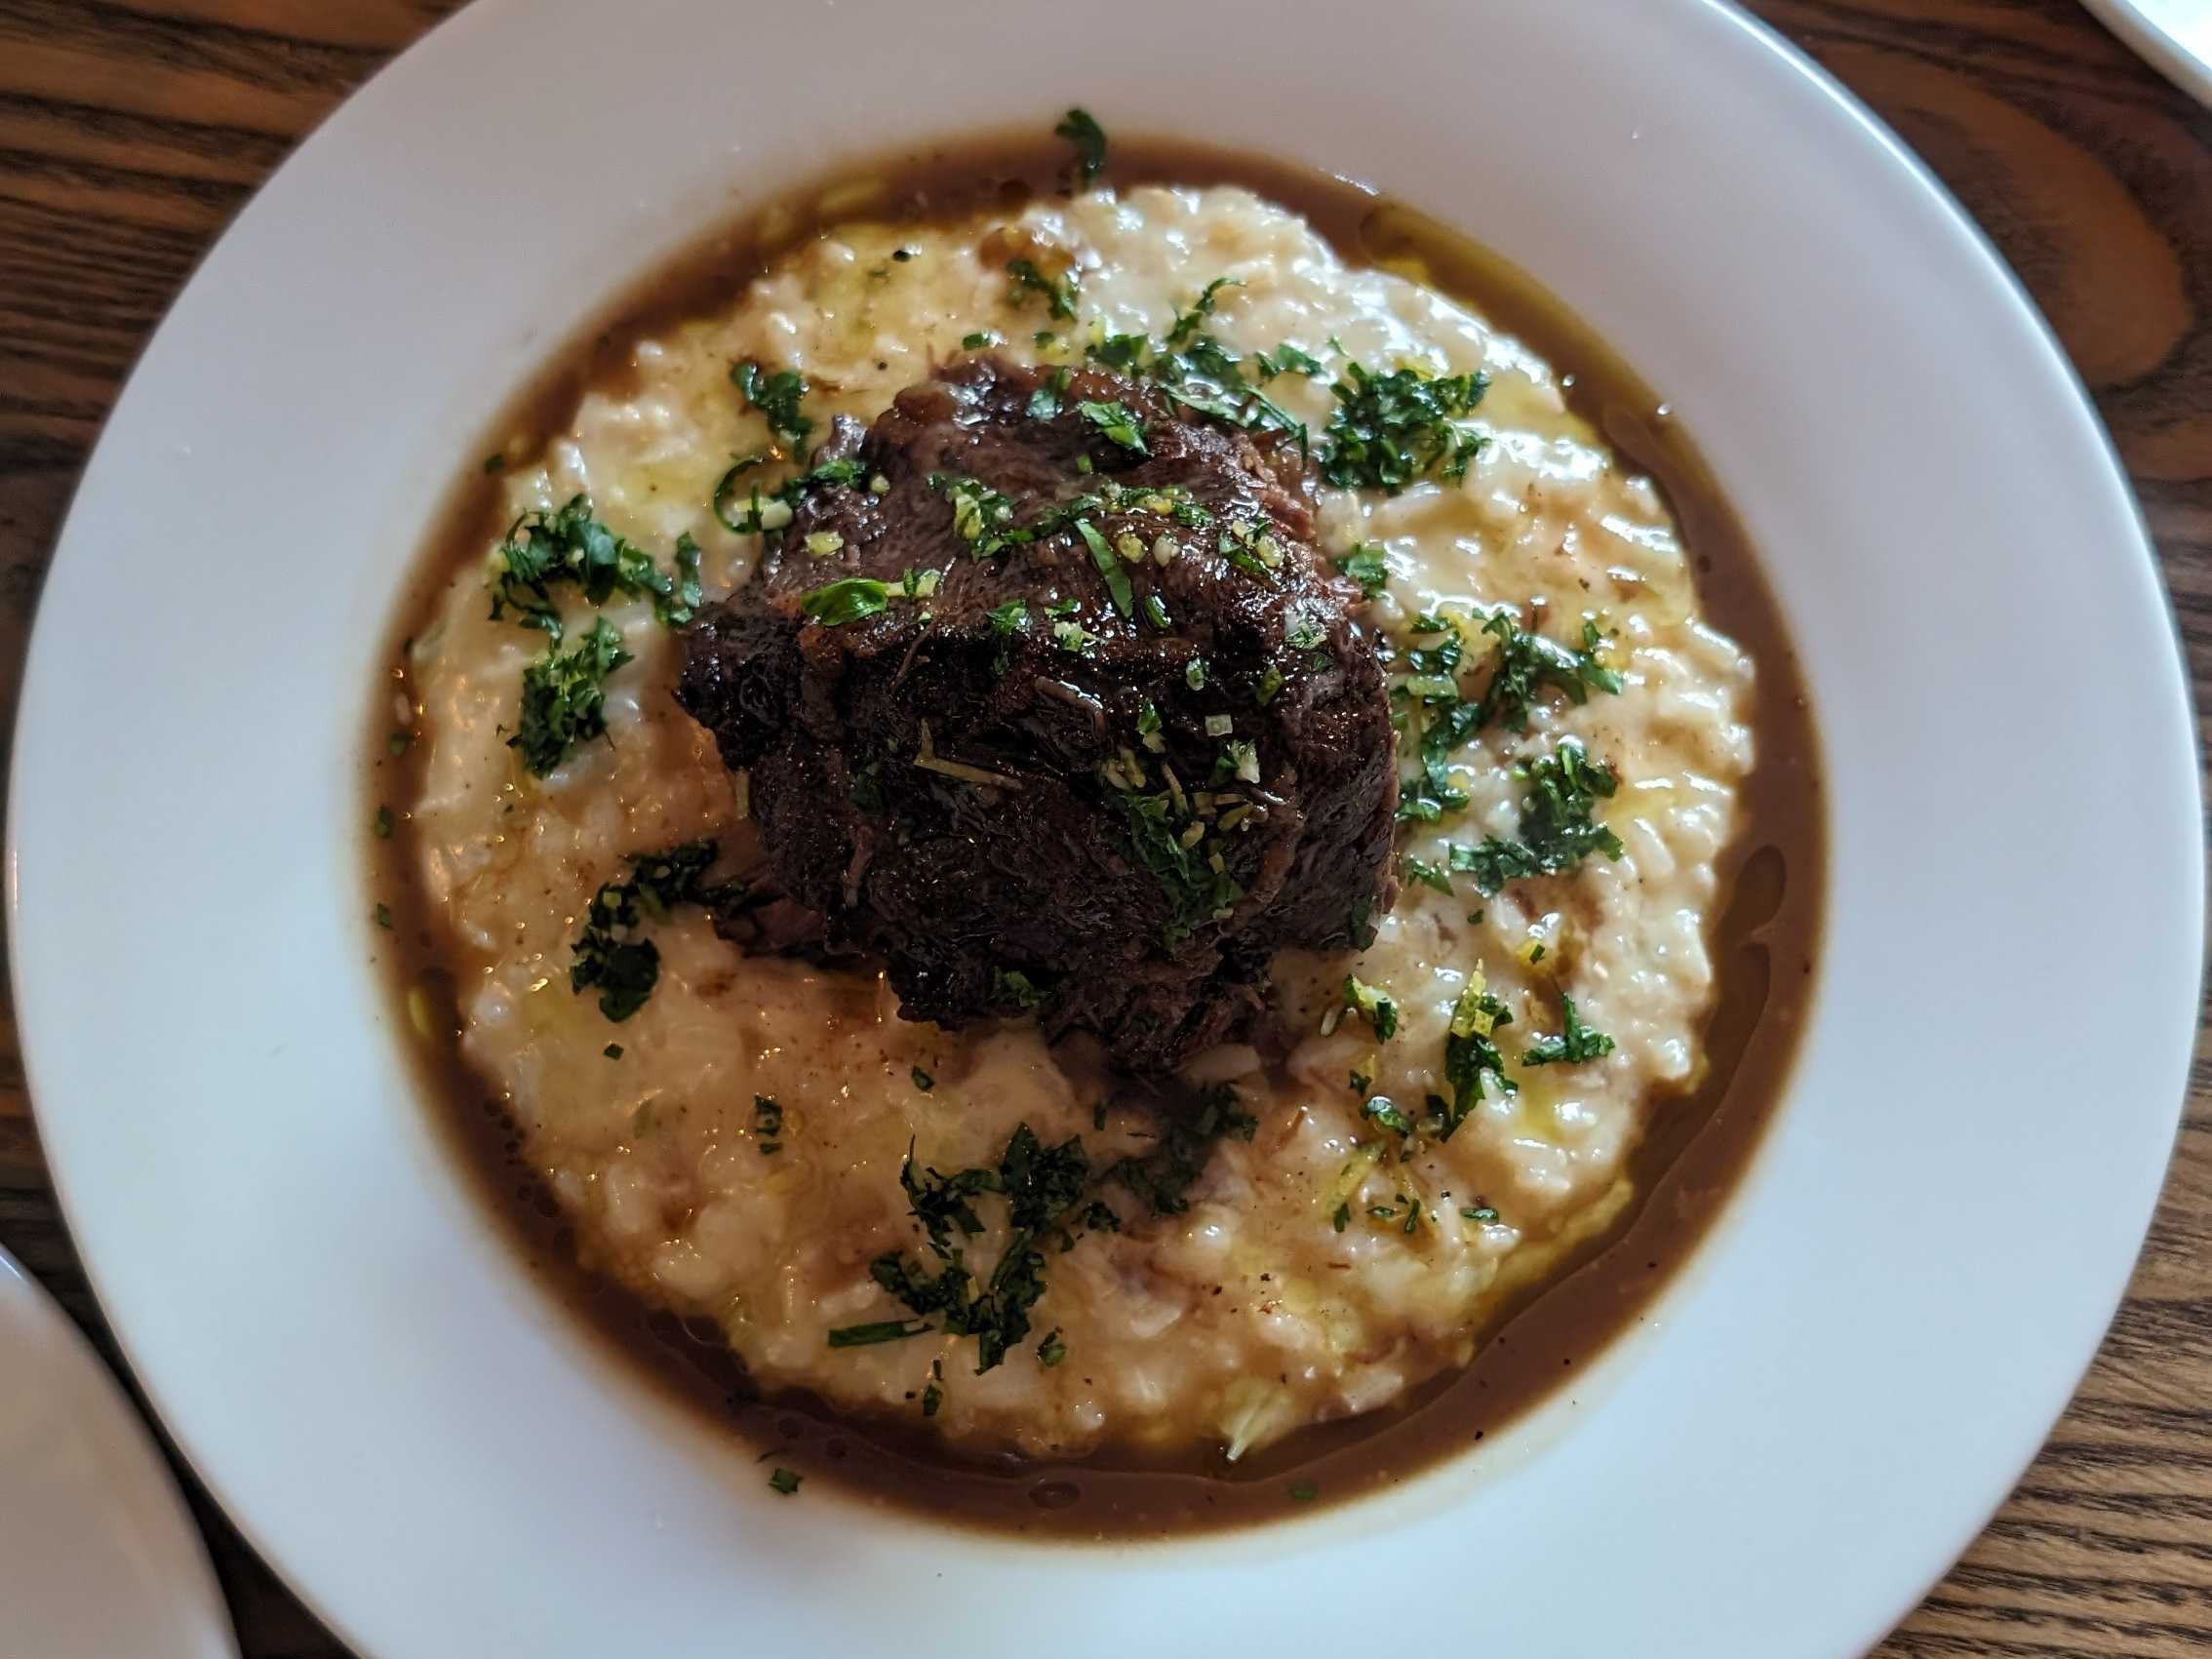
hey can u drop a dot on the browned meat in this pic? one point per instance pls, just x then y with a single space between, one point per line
1102 774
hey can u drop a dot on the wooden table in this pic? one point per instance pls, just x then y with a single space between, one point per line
130 132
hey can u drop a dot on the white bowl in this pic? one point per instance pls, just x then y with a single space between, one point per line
1864 1356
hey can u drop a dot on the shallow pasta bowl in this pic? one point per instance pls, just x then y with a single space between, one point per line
1825 1408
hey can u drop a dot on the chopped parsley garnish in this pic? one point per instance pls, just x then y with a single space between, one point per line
848 600
921 1079
1118 423
1188 323
1388 430
1051 1351
1303 1491
1384 1111
1011 985
785 1481
877 1331
1059 293
564 698
1164 1177
1011 617
1045 401
1089 141
1269 683
1479 1212
383 823
1471 1055
1039 1185
610 955
383 916
768 1124
1194 891
777 398
1377 1010
1109 567
612 1051
1525 661
399 742
1428 875
770 510
933 1393
544 549
1576 1042
1199 373
1287 359
1367 565
1557 829
977 340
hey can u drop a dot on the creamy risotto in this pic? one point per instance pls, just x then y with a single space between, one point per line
733 1149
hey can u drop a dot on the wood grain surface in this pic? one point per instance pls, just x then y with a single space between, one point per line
130 133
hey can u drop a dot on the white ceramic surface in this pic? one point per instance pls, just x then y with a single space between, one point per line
1837 1395
98 1556
2174 36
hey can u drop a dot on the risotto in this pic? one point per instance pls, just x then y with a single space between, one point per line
1317 1216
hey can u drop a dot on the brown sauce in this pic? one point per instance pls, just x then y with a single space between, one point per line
1695 1153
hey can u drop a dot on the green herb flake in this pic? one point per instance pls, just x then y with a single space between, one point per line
768 1124
1164 1177
1059 293
1558 826
932 1397
1428 875
1089 141
921 1079
847 600
383 823
399 742
1287 359
610 955
1011 985
1377 1010
1388 430
1195 891
1051 1351
784 1480
1039 1185
1481 1212
876 1331
1525 661
564 698
1195 673
1471 1053
1119 425
1188 323
1369 565
1385 1111
383 916
1303 1491
612 1050
568 546
776 398
1045 401
977 340
1576 1042
1117 579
